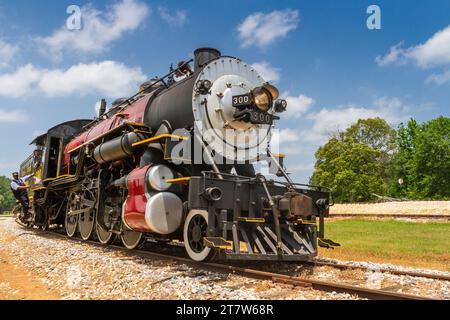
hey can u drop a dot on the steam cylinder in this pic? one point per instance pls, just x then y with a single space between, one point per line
175 103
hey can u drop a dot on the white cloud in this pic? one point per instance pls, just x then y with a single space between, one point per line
260 29
99 29
280 136
13 116
177 19
439 78
108 78
7 52
328 121
20 82
267 71
434 52
297 106
283 139
395 55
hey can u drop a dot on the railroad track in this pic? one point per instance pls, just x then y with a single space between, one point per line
382 270
255 274
395 216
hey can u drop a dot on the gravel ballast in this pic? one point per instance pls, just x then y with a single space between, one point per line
75 270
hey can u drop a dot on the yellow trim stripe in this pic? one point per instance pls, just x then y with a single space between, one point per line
279 155
300 221
40 188
217 246
252 220
61 176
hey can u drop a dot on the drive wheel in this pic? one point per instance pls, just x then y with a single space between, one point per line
71 225
131 239
195 228
104 236
71 221
86 224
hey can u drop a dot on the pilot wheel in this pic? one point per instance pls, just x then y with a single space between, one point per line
195 228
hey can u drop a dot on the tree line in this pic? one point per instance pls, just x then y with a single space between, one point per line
7 200
371 158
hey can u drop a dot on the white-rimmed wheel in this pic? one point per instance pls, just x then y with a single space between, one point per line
86 223
195 228
71 224
104 236
103 221
131 239
71 220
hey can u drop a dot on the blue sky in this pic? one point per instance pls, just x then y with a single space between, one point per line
331 68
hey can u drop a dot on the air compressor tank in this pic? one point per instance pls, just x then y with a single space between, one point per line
116 149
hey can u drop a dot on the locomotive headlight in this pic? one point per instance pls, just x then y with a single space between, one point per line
262 99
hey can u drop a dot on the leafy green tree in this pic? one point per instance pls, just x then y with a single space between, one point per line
355 163
7 200
423 160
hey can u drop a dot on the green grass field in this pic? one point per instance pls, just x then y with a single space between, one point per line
407 243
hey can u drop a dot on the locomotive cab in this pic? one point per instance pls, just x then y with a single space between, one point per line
48 155
46 163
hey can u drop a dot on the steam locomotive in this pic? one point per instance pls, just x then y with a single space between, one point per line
175 162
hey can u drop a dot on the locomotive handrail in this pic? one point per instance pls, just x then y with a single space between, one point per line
159 137
183 180
249 179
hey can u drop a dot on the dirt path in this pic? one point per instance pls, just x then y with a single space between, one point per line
401 207
17 283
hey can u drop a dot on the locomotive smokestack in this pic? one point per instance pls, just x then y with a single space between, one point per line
102 109
204 55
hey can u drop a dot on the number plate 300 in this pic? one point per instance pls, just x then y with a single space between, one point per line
260 118
242 100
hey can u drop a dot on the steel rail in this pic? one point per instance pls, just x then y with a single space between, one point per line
383 270
256 274
380 215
